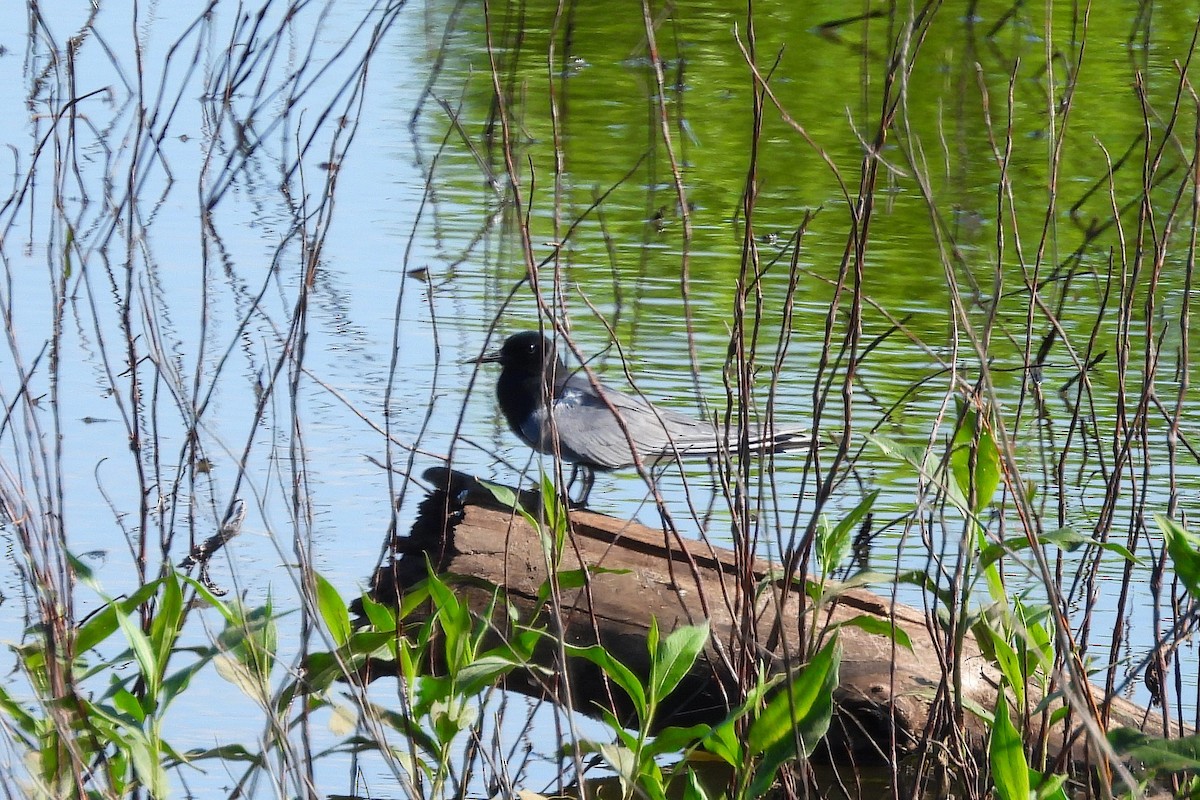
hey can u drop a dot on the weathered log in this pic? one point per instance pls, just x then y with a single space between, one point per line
889 697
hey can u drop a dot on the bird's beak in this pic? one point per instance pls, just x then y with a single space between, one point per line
487 358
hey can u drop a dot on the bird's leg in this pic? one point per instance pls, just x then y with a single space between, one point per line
589 477
571 480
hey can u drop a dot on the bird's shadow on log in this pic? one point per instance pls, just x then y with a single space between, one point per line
432 546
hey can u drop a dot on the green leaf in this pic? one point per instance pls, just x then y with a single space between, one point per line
800 705
1066 539
569 579
146 762
924 580
617 672
833 544
98 627
228 752
676 740
452 716
28 724
909 454
373 644
550 505
237 673
626 738
177 682
454 618
67 245
430 691
483 672
1011 666
1168 755
1006 755
211 599
407 726
504 495
333 611
127 704
250 637
320 671
143 652
1049 787
1069 539
971 438
381 617
164 628
880 627
795 719
1035 640
674 657
693 787
724 743
624 762
1184 549
507 498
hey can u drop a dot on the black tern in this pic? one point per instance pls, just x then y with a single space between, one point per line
535 386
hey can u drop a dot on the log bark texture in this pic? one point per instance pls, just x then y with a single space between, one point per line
889 699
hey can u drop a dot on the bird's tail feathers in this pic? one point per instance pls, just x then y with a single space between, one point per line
760 442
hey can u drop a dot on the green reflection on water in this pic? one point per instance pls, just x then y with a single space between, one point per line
1012 121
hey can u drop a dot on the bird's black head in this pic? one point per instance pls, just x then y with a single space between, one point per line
525 353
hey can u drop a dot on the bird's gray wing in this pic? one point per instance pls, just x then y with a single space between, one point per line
664 434
589 432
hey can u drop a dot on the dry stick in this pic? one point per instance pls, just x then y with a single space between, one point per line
669 527
1120 440
301 510
951 660
560 167
1088 570
1005 190
1151 355
456 126
45 549
313 244
507 139
428 196
200 402
559 301
449 28
1183 379
945 703
788 554
1184 367
1147 226
852 257
313 247
396 499
531 275
965 559
639 465
906 45
129 297
745 657
1038 300
761 84
1076 694
1148 371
